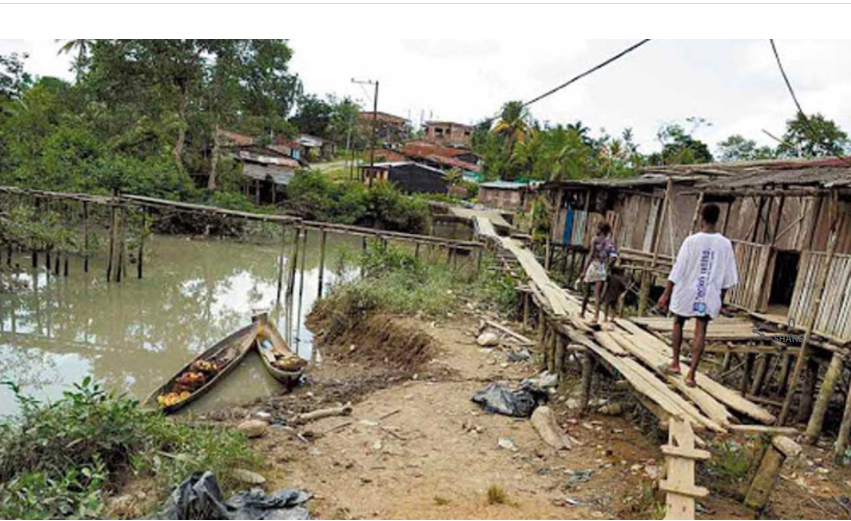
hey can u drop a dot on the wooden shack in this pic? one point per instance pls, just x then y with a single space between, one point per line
408 176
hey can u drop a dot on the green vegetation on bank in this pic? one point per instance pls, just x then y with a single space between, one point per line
395 280
61 459
314 195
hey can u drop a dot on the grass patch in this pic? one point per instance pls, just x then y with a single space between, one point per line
441 501
394 279
497 496
60 459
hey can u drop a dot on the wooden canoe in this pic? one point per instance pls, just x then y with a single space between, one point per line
271 346
226 354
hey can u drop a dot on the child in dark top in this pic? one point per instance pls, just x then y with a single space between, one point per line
601 253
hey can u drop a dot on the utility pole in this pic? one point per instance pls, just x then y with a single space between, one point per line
374 126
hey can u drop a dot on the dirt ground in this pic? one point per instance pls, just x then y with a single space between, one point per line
416 446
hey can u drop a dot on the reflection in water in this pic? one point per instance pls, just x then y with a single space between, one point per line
134 335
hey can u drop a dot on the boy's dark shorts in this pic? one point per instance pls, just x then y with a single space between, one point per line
681 320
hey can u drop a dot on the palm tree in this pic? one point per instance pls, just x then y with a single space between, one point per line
82 47
513 124
453 177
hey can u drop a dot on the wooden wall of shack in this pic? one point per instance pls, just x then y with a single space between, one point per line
759 239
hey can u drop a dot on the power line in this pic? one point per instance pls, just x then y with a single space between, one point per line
813 133
589 71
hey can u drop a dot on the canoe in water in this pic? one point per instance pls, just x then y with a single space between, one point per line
284 365
197 377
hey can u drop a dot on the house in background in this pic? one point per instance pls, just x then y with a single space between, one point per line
265 176
314 147
505 195
408 176
449 133
390 129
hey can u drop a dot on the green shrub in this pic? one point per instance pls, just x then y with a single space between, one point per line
57 460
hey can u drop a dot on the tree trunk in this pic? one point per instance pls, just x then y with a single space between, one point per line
181 131
214 161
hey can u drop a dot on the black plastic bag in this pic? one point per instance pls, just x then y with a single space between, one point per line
199 497
501 399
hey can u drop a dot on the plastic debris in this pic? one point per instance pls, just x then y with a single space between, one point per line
199 497
498 397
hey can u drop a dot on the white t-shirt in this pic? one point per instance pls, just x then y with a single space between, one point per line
705 265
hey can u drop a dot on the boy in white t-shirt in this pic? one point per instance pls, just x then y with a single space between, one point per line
705 269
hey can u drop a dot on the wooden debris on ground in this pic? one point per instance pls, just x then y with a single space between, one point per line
343 410
759 491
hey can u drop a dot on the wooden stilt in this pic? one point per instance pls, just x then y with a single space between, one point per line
526 306
844 429
759 375
746 375
293 263
831 377
281 263
140 254
783 378
808 391
85 237
588 363
559 357
111 251
322 243
122 245
759 491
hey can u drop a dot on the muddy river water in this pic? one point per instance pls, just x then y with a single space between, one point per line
134 335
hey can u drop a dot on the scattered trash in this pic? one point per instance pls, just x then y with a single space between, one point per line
545 380
499 398
575 477
488 339
199 497
507 444
570 501
519 355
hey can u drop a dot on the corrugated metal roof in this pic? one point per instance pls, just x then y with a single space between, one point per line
393 164
244 155
278 175
504 185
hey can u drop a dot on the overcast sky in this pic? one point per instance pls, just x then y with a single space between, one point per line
734 84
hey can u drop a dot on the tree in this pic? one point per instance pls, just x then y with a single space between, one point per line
313 115
14 80
813 136
738 148
679 147
514 124
82 49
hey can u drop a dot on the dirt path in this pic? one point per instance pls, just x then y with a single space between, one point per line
436 454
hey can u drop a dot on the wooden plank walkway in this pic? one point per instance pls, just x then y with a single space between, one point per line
633 351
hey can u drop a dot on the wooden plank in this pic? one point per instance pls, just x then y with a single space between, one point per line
709 405
728 397
682 452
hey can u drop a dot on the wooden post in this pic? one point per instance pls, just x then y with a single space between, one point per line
746 375
759 376
293 262
646 275
553 224
808 390
140 254
588 362
111 251
281 263
844 429
559 357
526 306
680 456
834 372
322 260
122 245
813 308
783 379
85 237
759 491
727 218
696 215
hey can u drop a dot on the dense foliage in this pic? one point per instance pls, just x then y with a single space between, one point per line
314 195
58 460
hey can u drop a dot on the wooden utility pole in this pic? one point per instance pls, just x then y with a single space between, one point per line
374 126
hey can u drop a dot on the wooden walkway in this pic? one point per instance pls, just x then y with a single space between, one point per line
634 352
